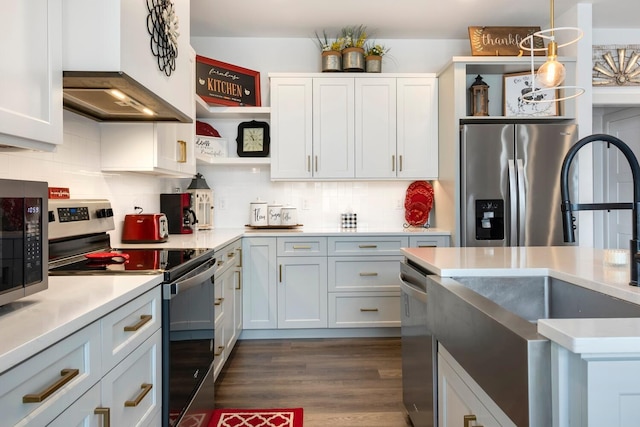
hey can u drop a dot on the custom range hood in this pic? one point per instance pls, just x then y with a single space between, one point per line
115 96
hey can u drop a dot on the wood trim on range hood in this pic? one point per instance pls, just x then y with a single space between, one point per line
86 93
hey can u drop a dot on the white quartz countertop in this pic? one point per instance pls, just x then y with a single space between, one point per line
219 237
577 265
31 324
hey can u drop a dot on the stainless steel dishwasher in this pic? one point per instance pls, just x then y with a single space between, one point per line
419 387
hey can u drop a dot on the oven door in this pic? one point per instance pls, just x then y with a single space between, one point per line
187 340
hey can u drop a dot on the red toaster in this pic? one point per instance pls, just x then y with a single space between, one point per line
145 228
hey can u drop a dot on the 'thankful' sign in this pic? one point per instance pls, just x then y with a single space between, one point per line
502 41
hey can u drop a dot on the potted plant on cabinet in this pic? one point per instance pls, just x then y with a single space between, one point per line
353 49
331 52
373 57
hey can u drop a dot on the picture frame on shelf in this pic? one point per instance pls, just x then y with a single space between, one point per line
221 83
517 84
253 139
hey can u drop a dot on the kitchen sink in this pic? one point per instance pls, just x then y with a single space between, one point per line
489 325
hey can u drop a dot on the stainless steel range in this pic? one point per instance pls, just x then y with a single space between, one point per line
79 244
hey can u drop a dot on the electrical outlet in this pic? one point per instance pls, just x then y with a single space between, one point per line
399 205
223 204
305 204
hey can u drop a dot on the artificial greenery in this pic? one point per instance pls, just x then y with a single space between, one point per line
373 49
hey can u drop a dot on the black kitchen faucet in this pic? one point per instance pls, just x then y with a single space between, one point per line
568 219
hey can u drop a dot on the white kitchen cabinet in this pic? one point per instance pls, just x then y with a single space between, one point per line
312 128
461 401
259 283
373 127
31 87
429 241
227 302
146 147
302 292
117 358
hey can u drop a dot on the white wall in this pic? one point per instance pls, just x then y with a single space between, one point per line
76 165
378 204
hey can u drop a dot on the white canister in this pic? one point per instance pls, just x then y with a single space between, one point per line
289 215
258 213
274 214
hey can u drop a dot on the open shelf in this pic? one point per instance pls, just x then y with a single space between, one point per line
204 110
203 159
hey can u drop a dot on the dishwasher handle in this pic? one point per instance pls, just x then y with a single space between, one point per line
200 274
412 292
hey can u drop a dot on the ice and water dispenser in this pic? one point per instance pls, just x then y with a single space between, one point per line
490 219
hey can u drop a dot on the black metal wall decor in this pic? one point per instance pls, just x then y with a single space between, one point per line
162 24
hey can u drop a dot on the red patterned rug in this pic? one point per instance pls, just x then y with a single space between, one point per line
257 418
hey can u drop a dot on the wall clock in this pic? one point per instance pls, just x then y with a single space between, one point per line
253 139
616 65
162 24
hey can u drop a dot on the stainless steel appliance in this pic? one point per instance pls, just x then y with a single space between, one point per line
510 182
419 376
187 292
23 239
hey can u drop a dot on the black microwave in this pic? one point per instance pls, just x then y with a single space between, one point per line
24 243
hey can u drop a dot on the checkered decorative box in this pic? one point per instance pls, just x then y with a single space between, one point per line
349 220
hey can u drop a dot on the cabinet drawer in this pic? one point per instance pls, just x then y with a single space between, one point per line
81 413
228 257
51 370
133 388
218 301
367 245
301 246
428 241
352 274
127 327
364 309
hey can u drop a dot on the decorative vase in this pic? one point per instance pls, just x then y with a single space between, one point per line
353 59
331 61
373 64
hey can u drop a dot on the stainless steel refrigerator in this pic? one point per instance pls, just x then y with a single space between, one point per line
510 183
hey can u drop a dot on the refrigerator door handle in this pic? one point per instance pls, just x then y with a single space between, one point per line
513 208
522 202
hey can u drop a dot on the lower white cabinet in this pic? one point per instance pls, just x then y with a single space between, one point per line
114 363
228 303
302 292
461 401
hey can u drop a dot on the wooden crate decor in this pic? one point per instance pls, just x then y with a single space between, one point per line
226 84
502 41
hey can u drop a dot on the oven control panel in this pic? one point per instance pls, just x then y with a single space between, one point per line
76 217
73 214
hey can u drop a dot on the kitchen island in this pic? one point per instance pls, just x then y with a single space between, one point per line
594 363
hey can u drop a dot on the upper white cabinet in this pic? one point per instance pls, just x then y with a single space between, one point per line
31 84
360 127
112 35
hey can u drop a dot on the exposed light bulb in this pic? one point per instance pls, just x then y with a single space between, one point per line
552 72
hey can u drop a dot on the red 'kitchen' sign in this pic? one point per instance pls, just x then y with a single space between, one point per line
226 84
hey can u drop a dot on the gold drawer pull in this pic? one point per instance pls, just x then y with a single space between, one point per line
368 274
144 319
240 257
218 301
301 246
231 254
368 309
106 416
468 419
428 246
280 273
220 350
220 263
67 375
183 151
239 286
367 246
146 388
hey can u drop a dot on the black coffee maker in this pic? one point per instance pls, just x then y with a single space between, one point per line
178 209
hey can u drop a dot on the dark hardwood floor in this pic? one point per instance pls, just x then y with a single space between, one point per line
339 382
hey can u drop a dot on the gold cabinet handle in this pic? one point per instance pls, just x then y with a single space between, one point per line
183 151
219 352
218 301
427 246
239 257
400 160
308 163
146 388
220 263
393 163
231 254
106 416
239 286
368 309
280 273
301 247
67 375
367 246
316 157
144 319
368 274
468 419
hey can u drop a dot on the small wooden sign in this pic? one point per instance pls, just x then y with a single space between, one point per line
226 84
502 41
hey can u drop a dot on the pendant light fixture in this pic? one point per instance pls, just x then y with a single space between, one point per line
552 73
